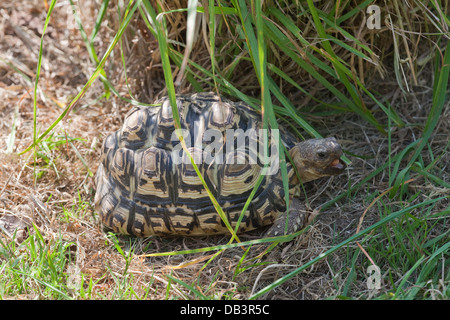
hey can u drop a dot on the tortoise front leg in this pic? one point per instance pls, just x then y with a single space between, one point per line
298 218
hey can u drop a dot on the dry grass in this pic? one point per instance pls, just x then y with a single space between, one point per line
56 190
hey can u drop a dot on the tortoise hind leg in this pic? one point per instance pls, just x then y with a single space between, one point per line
298 217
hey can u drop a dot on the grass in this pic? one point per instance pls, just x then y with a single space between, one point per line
35 267
260 55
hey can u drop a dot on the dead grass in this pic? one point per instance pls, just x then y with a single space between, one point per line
64 180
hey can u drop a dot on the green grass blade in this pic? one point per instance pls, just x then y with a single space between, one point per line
354 11
439 101
38 73
94 76
164 51
89 45
281 41
45 284
199 295
406 277
98 21
343 73
376 225
257 49
284 238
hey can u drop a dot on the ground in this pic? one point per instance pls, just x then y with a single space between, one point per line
53 187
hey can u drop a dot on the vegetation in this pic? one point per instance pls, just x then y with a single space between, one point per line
319 68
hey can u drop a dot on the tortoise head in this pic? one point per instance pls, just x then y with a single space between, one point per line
316 158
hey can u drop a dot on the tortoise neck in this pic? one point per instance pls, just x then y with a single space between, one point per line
303 172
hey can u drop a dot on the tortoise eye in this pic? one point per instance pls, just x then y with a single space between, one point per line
321 154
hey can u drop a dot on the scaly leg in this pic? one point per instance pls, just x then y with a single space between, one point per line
298 218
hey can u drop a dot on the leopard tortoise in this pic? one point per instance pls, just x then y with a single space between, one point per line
146 187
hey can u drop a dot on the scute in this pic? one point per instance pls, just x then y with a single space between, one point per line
221 115
151 182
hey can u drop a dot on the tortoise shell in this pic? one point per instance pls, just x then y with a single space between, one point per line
146 184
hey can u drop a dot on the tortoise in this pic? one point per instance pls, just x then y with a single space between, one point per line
146 184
